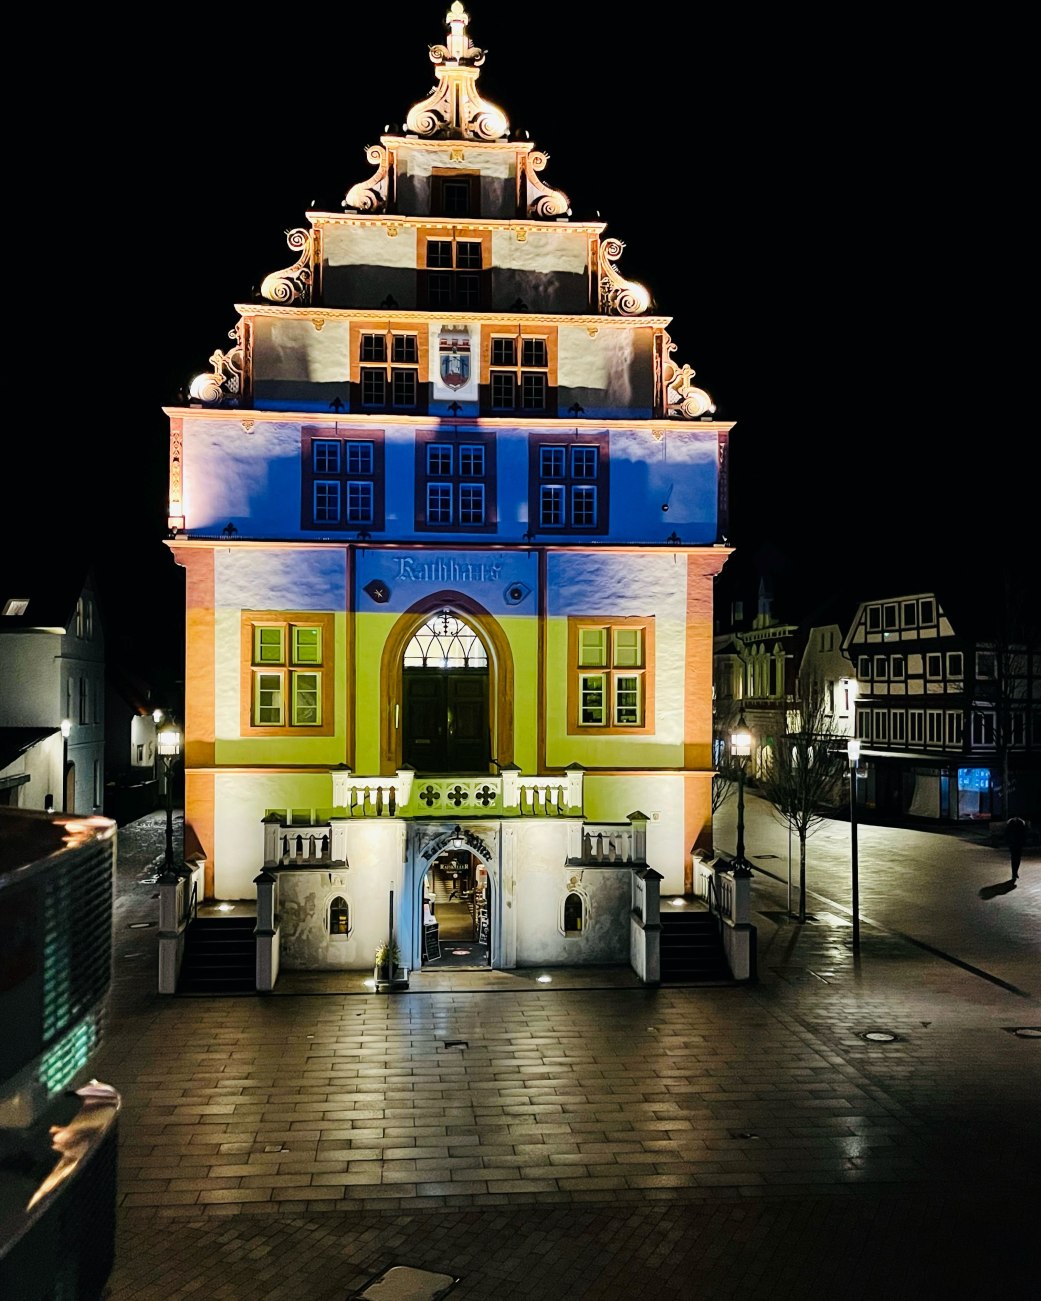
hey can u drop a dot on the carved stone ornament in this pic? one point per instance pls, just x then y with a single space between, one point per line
682 398
454 109
371 195
294 283
222 386
542 201
617 296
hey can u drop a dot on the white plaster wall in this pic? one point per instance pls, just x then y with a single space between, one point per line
43 764
240 800
490 162
251 479
678 470
544 251
661 798
606 894
585 362
30 680
295 350
370 246
274 578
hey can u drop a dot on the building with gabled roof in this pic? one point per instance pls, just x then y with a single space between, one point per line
449 514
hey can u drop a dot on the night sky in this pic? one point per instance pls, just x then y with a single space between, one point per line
796 237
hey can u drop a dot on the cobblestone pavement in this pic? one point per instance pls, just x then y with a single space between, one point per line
612 1142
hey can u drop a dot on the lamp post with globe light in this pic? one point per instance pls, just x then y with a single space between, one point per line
168 745
853 752
740 749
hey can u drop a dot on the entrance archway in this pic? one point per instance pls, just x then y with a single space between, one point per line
456 902
444 708
495 709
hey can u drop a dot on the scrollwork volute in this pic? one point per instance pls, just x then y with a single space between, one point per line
618 296
294 283
543 201
371 195
224 383
682 398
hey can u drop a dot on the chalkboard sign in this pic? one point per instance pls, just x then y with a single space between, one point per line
431 944
483 927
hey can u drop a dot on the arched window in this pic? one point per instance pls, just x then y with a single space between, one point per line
573 915
445 642
339 917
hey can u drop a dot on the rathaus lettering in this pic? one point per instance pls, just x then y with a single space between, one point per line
442 570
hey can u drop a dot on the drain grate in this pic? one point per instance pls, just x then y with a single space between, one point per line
457 1043
880 1036
404 1283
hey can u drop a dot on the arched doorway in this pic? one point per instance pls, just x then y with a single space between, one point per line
444 717
499 674
456 905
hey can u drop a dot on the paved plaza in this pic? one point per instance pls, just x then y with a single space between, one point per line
843 1127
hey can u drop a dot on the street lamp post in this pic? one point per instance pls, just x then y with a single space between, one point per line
853 751
66 728
740 749
168 744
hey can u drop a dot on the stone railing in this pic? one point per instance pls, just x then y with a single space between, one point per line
609 842
319 844
509 794
728 893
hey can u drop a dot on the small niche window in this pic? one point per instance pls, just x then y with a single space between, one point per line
339 917
573 913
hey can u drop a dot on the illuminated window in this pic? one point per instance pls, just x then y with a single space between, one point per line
389 370
610 681
339 917
284 675
568 484
342 481
455 481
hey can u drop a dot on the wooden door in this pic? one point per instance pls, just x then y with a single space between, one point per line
445 720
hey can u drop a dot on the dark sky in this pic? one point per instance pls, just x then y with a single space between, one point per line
815 256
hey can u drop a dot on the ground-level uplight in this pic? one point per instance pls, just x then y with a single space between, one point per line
544 980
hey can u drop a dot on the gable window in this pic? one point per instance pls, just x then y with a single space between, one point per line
955 664
889 616
909 613
519 374
568 483
874 618
455 480
926 611
342 481
455 193
610 682
286 682
453 273
386 369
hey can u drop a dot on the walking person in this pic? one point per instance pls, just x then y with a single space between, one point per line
1015 838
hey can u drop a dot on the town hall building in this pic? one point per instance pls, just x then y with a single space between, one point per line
445 645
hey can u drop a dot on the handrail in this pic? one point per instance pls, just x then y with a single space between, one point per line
713 891
191 912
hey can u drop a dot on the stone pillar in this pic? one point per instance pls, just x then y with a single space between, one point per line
267 933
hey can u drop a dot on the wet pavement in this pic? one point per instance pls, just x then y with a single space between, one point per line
849 1125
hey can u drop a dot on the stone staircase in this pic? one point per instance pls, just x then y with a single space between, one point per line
692 950
220 956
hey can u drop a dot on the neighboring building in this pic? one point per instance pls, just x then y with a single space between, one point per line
58 1124
948 708
52 689
438 620
824 668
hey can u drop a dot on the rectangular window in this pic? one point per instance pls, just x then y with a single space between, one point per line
864 724
955 664
896 668
79 617
327 501
986 664
84 703
934 667
983 728
471 503
283 683
910 613
359 458
453 273
373 388
898 727
471 460
518 385
504 388
404 388
611 683
551 462
954 727
915 726
326 456
551 506
864 668
926 611
889 616
504 352
359 502
881 666
439 503
374 347
388 374
583 507
880 724
404 348
933 727
533 391
439 459
874 618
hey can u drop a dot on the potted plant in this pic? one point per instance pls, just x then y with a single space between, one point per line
386 958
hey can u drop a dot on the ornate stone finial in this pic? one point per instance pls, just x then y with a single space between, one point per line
294 282
454 109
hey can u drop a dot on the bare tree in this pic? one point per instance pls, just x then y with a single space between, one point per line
802 775
724 780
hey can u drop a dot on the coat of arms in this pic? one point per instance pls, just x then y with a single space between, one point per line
455 356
